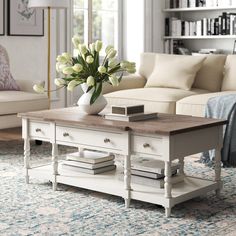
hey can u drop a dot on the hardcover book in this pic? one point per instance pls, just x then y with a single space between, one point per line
88 171
134 117
88 165
91 157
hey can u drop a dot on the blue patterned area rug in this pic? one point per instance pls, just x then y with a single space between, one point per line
35 209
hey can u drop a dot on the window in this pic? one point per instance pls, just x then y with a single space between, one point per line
96 19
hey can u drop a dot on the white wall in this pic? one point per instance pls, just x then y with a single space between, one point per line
28 56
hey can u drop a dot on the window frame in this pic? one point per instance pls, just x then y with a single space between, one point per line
88 36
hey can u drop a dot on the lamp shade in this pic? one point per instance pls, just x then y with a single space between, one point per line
48 3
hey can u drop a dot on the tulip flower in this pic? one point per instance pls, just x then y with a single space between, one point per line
68 71
108 48
112 53
59 82
83 49
89 59
112 63
38 88
61 59
90 81
76 41
92 47
67 56
77 68
72 84
102 69
98 45
114 80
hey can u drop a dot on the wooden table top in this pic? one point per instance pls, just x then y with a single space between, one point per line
164 124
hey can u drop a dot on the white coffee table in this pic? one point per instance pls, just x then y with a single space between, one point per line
167 138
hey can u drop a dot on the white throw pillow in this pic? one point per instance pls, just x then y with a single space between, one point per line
175 71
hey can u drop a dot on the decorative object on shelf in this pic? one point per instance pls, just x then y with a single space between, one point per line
85 68
23 21
48 4
2 17
234 48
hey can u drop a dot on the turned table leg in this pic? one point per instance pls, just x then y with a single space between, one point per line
54 165
168 186
127 180
218 170
26 158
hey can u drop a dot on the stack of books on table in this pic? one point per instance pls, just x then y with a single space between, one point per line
150 172
90 162
129 113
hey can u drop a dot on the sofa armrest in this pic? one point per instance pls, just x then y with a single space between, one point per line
27 85
127 82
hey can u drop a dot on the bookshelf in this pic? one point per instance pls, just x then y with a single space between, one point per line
196 41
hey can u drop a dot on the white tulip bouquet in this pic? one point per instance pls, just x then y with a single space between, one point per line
86 68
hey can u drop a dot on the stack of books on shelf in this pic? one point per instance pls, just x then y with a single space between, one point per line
206 51
90 162
150 172
129 113
199 3
225 24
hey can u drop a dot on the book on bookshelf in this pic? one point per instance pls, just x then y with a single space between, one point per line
150 165
92 157
159 183
88 171
88 165
130 118
127 110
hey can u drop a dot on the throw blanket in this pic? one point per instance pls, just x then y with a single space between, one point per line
223 107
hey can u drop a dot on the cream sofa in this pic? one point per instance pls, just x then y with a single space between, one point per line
215 77
14 101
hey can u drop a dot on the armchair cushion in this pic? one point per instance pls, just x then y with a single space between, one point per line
6 80
175 71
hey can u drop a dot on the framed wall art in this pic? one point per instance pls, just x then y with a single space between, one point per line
2 17
24 21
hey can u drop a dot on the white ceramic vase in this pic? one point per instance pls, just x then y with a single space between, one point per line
84 102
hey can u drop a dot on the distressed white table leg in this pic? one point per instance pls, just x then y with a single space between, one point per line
168 186
26 158
127 179
218 170
54 165
181 168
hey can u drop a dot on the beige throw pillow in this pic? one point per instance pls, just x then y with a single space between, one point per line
175 71
229 81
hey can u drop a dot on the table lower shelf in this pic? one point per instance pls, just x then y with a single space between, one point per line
109 183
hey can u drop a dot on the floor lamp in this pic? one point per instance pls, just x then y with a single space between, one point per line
49 4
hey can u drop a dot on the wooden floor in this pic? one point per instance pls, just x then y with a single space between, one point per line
10 134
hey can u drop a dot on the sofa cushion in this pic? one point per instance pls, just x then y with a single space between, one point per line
229 81
195 105
155 99
147 63
12 102
210 75
175 71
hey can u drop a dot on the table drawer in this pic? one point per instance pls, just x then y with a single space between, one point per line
39 130
92 138
146 145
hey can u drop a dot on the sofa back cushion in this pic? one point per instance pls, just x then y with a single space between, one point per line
6 80
210 76
147 63
175 71
229 81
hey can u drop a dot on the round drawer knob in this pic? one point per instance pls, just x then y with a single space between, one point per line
146 145
107 140
66 134
38 130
